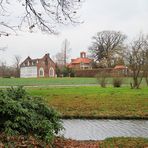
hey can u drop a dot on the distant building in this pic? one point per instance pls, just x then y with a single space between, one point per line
121 70
43 67
81 63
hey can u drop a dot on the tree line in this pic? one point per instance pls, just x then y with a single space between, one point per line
10 71
110 48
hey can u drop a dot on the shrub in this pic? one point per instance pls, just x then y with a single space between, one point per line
101 78
21 114
146 79
117 82
7 76
68 72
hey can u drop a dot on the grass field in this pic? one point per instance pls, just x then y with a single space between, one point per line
45 81
122 142
57 81
118 142
96 102
87 101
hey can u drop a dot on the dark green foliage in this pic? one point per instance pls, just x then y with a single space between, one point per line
67 72
64 72
7 76
25 115
58 71
117 82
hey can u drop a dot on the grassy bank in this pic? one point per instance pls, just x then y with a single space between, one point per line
119 142
124 143
96 102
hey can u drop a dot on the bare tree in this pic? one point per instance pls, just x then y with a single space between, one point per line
137 59
3 69
66 49
59 58
146 61
17 59
62 56
43 14
106 45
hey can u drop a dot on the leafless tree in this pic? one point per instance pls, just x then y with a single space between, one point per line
17 60
3 48
146 61
66 50
62 56
59 58
106 45
43 14
3 69
137 59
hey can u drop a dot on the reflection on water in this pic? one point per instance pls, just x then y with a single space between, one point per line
101 129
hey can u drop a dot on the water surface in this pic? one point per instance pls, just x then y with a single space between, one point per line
79 129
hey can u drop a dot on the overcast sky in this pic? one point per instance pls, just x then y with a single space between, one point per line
127 16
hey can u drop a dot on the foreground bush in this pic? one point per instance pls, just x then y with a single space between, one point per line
21 114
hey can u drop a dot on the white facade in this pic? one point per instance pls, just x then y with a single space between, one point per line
28 72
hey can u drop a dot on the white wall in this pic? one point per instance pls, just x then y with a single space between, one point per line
28 72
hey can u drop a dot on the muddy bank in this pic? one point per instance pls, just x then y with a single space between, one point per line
30 142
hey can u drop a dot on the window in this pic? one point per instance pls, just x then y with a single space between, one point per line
41 72
33 63
51 72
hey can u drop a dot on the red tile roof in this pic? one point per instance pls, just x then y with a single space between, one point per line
120 67
70 65
81 60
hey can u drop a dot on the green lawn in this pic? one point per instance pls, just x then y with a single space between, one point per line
45 81
56 81
96 102
87 101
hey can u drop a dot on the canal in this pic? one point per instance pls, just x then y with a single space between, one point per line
79 129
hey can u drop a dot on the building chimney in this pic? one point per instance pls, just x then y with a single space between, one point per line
47 54
83 54
72 60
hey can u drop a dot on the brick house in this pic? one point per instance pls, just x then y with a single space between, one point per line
43 67
81 63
